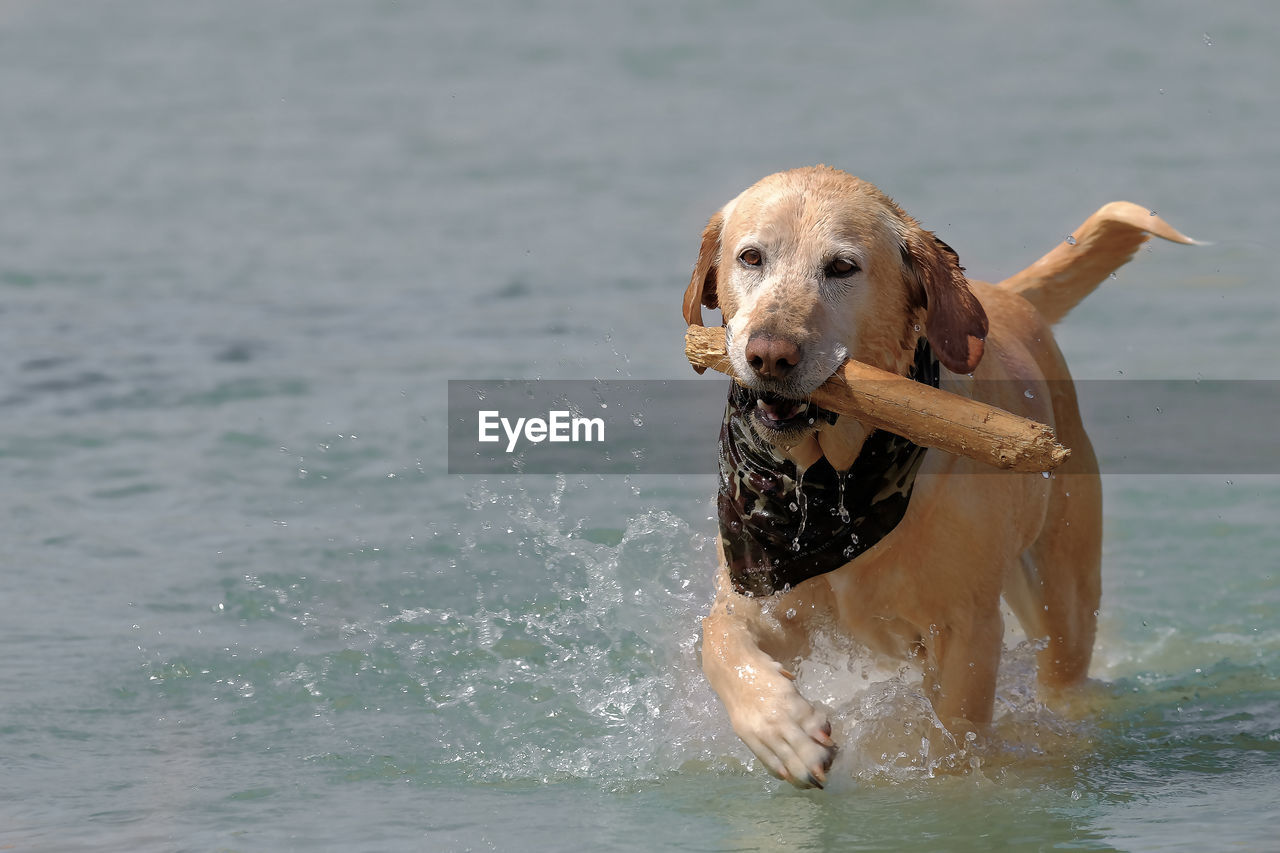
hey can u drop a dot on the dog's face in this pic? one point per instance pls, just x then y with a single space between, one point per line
813 266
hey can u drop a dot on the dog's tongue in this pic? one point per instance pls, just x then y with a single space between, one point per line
779 408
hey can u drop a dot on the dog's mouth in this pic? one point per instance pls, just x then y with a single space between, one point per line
782 414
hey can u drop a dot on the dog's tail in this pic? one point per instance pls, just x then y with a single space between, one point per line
1106 241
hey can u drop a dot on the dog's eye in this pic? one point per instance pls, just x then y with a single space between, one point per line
841 268
751 257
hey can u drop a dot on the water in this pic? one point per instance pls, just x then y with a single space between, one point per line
243 247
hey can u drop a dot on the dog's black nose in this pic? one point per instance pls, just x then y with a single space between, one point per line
772 357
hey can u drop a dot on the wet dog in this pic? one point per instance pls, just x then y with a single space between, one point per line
826 525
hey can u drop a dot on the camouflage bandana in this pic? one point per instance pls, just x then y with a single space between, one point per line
782 525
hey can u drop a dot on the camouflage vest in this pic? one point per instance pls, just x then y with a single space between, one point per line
782 525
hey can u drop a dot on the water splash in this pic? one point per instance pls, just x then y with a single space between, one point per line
526 646
620 697
609 666
888 730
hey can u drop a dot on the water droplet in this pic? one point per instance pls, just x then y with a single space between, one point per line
793 506
795 544
917 327
1071 241
791 613
637 419
1114 276
804 510
1045 474
1027 393
1208 42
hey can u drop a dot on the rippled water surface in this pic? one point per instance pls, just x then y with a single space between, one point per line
244 246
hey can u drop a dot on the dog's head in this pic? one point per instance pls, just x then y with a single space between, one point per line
813 266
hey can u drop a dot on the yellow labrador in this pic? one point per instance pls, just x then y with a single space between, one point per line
825 524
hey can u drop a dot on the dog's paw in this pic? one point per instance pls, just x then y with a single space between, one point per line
790 737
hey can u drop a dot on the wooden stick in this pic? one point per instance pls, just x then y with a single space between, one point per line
926 415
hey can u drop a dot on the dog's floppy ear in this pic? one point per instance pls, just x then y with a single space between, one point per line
956 325
702 286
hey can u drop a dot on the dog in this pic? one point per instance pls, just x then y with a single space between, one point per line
827 525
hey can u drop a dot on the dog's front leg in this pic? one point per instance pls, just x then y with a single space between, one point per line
743 645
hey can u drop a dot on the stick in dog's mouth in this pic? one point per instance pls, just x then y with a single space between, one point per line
925 415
